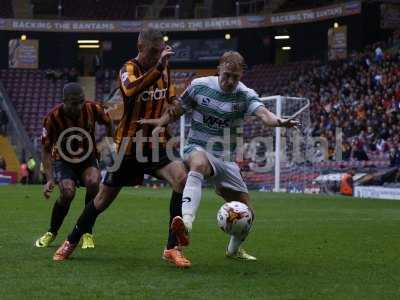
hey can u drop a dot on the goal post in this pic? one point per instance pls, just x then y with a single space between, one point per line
286 107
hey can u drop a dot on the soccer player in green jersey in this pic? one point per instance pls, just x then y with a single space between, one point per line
218 105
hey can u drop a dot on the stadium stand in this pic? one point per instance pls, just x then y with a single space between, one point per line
105 83
291 5
33 95
267 79
101 9
366 88
361 95
6 10
170 9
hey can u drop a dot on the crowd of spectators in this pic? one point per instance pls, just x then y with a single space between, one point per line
359 96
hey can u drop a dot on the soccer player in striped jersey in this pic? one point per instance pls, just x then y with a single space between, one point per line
218 105
71 161
147 91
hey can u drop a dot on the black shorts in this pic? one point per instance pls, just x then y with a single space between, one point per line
131 172
65 170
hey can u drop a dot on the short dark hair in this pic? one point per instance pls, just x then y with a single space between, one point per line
72 89
150 35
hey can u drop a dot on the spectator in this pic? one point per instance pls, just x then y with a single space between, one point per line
359 152
318 155
394 157
346 151
381 145
378 54
357 95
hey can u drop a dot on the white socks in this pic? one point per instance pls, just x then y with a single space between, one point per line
191 198
236 241
234 244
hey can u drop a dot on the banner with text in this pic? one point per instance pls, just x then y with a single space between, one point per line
337 43
294 17
201 50
23 54
377 192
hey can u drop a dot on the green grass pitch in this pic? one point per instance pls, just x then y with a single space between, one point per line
308 247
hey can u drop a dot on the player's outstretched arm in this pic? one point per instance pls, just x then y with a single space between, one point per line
171 114
270 119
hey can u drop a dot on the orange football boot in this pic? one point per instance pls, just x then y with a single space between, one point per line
64 251
175 256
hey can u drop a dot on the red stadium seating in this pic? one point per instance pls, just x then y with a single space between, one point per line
33 96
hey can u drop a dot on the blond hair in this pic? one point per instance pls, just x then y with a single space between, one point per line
232 58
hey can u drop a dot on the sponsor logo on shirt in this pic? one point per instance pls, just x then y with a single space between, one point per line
214 122
156 95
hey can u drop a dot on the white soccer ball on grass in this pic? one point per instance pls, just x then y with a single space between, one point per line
235 218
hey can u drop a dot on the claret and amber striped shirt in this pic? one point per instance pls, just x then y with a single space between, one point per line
146 95
56 122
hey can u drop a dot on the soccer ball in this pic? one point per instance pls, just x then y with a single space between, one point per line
235 218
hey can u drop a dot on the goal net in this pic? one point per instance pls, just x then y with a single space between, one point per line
290 168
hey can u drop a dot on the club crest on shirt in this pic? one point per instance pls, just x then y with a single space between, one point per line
205 101
124 76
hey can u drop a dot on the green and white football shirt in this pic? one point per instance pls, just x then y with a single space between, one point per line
216 115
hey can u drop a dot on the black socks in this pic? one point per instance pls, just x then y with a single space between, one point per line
85 223
175 209
57 216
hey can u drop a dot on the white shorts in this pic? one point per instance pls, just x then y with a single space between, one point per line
226 174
